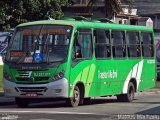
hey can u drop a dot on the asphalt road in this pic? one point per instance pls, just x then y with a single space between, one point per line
145 106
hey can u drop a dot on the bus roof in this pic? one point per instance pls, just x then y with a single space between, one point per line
89 24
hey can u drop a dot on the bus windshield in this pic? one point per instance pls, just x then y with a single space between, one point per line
39 43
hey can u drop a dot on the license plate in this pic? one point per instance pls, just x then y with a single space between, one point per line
31 94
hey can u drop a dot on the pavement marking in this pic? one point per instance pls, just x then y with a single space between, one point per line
48 112
42 119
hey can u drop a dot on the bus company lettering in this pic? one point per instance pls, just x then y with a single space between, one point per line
108 74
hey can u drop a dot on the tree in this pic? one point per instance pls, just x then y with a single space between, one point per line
112 6
12 11
15 12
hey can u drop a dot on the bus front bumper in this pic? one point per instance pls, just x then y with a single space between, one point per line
56 89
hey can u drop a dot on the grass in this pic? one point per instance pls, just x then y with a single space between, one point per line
1 78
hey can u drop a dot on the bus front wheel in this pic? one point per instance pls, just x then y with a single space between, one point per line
75 100
21 102
129 96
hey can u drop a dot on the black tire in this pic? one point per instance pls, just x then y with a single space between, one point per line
75 100
129 97
22 102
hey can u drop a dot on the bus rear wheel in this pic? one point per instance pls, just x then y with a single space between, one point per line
75 100
129 97
22 102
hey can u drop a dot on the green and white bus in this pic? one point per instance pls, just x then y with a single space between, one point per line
78 59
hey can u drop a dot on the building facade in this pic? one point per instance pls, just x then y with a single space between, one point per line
143 10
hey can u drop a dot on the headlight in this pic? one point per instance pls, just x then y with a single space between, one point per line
58 76
7 76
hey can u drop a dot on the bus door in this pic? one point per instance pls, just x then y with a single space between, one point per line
83 67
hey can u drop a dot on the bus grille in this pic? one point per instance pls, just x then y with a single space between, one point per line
24 79
36 79
25 76
32 89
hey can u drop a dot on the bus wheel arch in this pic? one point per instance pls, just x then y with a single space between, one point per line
134 81
82 91
78 95
131 89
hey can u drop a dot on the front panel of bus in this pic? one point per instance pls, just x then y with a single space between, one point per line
36 60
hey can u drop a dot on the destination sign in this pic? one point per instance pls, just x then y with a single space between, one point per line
44 32
17 53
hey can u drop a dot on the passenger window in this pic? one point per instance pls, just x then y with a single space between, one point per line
83 44
133 44
118 44
147 44
102 43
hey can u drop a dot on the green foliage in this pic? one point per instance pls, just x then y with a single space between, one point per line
15 12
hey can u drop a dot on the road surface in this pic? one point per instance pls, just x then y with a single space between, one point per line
145 106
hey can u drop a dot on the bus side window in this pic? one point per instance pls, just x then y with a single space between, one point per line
133 44
83 44
102 43
77 49
147 44
118 44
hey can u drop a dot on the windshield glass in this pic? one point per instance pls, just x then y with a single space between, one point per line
39 43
